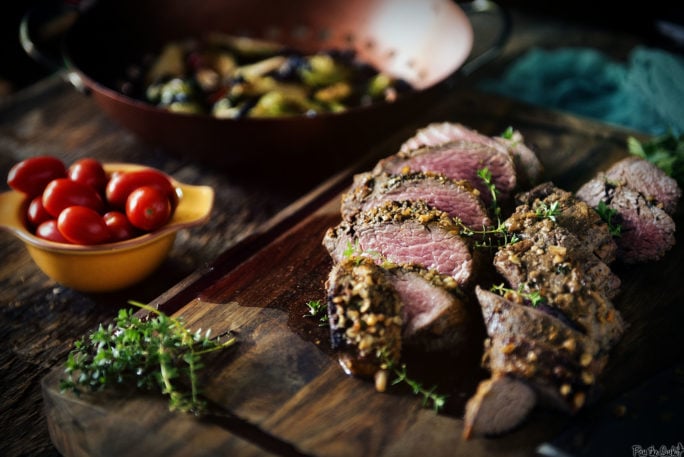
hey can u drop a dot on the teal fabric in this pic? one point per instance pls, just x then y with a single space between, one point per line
645 93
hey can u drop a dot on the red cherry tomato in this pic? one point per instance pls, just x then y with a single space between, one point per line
63 192
36 213
120 186
31 175
88 171
120 228
82 225
48 230
148 208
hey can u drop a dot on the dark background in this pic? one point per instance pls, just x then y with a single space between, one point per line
18 70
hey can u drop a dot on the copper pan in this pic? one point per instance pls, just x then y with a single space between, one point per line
426 42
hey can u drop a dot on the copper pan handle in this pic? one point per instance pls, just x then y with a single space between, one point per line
41 31
489 42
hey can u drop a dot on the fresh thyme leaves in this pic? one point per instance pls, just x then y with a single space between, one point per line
666 151
607 213
491 236
430 397
318 310
550 212
157 353
534 298
486 176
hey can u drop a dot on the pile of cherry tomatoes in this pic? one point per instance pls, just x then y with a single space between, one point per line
82 204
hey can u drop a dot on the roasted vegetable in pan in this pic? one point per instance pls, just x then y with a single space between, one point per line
234 77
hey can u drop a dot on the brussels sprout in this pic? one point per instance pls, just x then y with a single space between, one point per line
323 70
379 84
278 103
176 90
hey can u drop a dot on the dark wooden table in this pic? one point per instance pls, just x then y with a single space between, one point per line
39 319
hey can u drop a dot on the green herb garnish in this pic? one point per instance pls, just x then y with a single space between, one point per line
430 396
508 133
486 176
318 310
550 212
157 353
665 151
607 213
535 297
492 236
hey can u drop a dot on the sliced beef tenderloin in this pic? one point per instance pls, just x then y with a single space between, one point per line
554 358
435 314
527 163
548 201
457 198
544 265
365 314
510 314
500 404
557 378
458 160
404 233
553 257
648 179
530 168
647 232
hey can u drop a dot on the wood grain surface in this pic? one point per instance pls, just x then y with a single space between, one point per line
282 391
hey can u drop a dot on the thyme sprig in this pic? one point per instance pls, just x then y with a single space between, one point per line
430 397
535 297
318 310
550 212
156 353
486 176
497 235
491 237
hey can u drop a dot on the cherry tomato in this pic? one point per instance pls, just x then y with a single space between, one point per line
36 213
82 225
31 175
63 192
120 228
48 230
148 208
120 186
88 171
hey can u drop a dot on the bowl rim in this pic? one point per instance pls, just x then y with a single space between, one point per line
13 220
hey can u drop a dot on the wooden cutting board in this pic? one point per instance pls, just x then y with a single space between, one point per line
282 392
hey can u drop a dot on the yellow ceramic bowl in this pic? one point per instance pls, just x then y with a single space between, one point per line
111 266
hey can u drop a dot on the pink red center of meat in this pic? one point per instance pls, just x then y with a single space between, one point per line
414 243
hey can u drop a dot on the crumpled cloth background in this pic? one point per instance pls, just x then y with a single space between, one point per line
645 93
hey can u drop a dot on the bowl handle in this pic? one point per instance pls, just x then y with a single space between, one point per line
482 10
41 31
10 218
194 206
